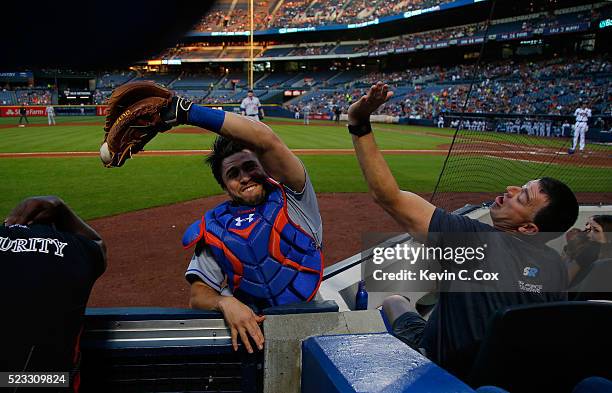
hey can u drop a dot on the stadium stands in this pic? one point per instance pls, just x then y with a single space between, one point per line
276 52
162 79
503 87
311 50
195 81
197 96
228 16
7 97
196 53
100 96
350 49
111 80
239 52
275 80
546 87
33 96
345 77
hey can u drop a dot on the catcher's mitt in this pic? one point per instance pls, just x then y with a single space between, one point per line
137 111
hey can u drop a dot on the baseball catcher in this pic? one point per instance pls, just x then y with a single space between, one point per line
260 248
136 113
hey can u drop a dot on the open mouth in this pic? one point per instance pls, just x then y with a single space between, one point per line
499 200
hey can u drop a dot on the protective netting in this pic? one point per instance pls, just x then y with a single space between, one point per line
480 164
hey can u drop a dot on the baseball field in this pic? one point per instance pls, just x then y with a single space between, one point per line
77 175
142 208
62 160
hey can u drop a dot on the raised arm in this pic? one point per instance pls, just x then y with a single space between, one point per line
411 211
52 210
275 157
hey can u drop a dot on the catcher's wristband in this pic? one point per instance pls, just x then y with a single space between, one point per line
210 119
361 129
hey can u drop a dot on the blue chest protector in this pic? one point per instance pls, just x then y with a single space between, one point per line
262 252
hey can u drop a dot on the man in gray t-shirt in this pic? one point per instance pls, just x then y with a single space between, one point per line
263 246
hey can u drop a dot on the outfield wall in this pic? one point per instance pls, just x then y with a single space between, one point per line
100 110
60 110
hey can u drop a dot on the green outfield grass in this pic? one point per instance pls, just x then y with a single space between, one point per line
147 181
144 182
69 137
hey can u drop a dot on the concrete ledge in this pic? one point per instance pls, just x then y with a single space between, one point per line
285 333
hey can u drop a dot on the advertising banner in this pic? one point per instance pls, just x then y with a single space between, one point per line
101 110
13 111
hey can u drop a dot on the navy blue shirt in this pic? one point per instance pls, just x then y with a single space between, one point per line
531 272
46 277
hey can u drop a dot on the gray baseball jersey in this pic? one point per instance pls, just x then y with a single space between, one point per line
250 105
303 209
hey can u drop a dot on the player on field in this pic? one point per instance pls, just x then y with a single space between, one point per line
23 115
581 127
251 106
50 114
566 129
306 114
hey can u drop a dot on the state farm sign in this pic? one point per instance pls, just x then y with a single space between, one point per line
13 111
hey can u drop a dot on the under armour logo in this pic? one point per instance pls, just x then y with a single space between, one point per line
240 220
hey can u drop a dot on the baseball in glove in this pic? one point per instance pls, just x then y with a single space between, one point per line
137 111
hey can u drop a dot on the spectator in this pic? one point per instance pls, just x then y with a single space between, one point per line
528 215
50 261
587 246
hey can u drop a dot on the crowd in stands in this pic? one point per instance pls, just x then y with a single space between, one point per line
393 7
110 80
413 40
552 87
100 96
219 98
230 18
305 13
34 96
396 44
311 50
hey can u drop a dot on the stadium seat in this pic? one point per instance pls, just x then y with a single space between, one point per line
593 385
545 347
